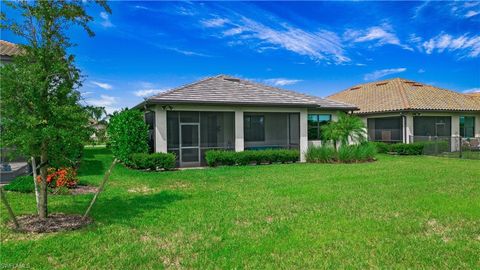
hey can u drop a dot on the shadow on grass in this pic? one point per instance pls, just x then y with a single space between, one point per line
124 209
91 167
90 152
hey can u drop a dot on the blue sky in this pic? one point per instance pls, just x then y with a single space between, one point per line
318 48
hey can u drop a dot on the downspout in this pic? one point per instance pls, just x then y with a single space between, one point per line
404 120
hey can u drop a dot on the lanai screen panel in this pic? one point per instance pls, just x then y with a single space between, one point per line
385 129
271 130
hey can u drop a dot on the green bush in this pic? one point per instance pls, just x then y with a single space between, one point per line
128 134
408 149
155 161
382 147
346 154
21 184
247 157
321 154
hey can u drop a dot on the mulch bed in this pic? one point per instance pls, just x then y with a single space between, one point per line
54 223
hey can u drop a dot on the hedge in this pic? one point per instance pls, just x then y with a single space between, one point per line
155 161
407 148
247 157
22 184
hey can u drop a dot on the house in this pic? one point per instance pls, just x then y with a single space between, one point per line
7 51
224 112
400 110
11 164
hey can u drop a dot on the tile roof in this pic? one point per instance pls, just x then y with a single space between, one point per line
224 89
401 94
8 48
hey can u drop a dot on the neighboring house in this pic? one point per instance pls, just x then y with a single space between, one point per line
7 51
11 164
400 110
224 112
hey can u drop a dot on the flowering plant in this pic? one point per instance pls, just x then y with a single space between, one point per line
62 177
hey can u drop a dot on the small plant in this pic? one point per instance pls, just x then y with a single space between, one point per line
155 161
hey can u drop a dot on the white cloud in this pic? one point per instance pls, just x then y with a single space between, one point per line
102 85
421 70
472 13
148 92
465 46
382 73
281 81
217 22
105 20
188 53
472 90
319 45
381 35
108 102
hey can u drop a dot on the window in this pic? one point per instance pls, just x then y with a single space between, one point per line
315 121
254 126
467 126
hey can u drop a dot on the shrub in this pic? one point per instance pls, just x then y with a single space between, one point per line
155 161
365 151
128 134
21 184
60 178
321 154
228 158
382 147
346 153
408 149
58 181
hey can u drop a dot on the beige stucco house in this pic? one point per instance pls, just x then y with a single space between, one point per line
400 110
224 112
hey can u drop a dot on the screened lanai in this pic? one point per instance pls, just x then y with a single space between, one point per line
191 134
271 130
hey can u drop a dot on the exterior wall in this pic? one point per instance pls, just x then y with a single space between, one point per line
160 130
161 122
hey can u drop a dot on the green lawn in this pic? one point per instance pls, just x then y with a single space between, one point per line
398 212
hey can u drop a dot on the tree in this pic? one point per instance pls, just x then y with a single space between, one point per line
40 106
98 122
346 128
128 134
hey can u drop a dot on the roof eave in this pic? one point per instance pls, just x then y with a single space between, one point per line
290 105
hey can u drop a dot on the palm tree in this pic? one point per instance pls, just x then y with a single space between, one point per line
347 127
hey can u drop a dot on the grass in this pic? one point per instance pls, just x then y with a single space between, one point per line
398 212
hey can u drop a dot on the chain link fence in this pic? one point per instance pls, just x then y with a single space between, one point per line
453 147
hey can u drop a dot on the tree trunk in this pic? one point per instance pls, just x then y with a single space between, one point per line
42 198
100 188
35 183
9 209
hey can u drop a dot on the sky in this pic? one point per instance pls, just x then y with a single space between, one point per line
318 48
